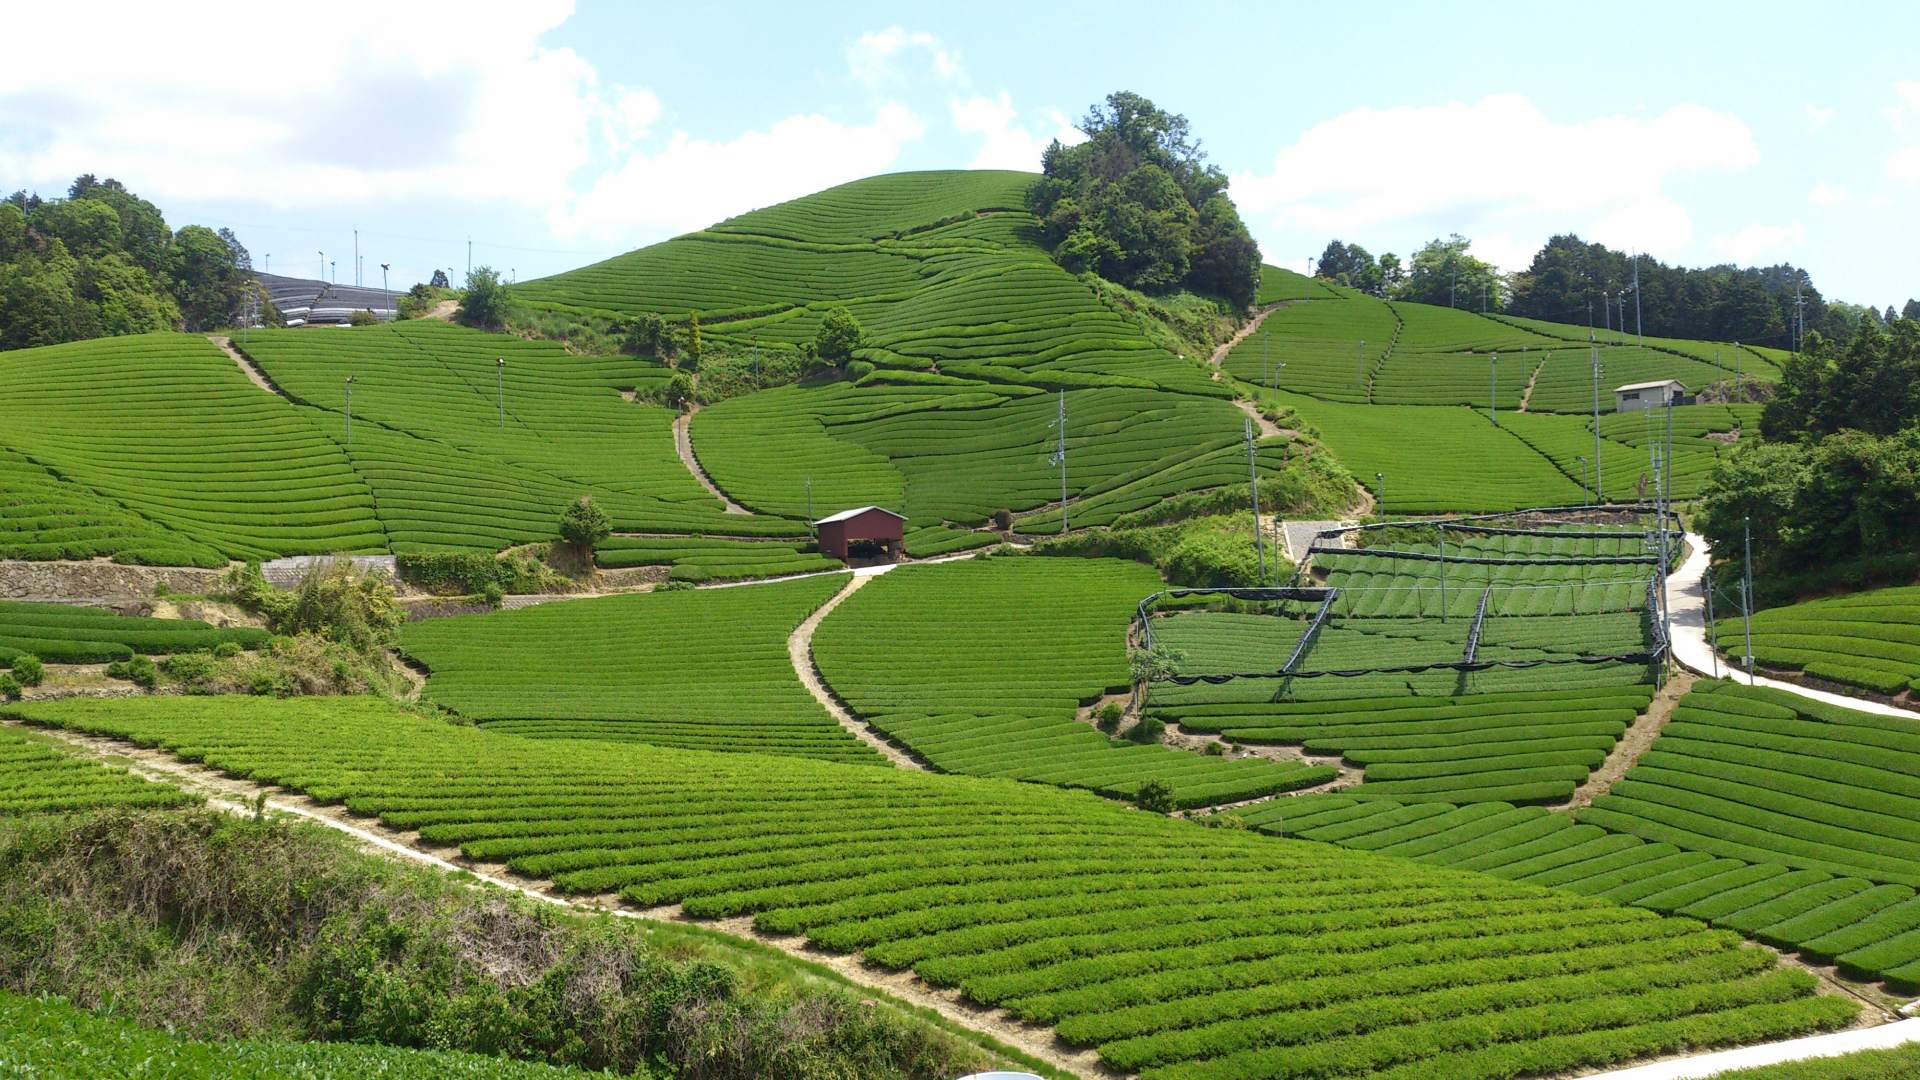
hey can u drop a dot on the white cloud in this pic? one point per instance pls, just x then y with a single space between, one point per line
877 58
1004 142
1756 242
1825 194
1904 165
1817 117
1496 163
693 182
471 108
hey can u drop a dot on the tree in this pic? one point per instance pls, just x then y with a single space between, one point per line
207 281
1911 310
485 303
1444 273
838 336
439 280
584 525
680 391
694 343
1137 203
646 334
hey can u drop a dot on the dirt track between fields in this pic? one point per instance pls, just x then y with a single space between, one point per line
800 653
1638 737
247 367
683 445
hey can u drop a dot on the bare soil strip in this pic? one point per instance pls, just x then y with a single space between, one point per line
1638 737
247 367
683 444
1526 396
800 652
238 796
1221 350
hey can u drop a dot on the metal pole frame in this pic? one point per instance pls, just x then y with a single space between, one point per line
1713 635
1746 590
1253 481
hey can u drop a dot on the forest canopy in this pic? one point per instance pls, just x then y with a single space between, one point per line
102 261
1137 203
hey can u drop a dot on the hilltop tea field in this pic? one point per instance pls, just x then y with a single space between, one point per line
889 634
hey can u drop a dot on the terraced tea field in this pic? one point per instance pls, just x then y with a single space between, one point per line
980 667
72 634
704 669
1174 951
1867 639
39 775
1755 810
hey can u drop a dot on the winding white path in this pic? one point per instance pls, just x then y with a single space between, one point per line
1688 600
1746 1057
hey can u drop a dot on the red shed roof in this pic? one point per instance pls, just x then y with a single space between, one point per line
856 512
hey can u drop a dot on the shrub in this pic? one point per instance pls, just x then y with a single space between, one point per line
838 336
1003 519
1155 797
9 688
363 317
485 303
1216 749
139 671
1148 730
583 526
1224 821
28 670
645 334
194 670
1109 717
492 594
226 650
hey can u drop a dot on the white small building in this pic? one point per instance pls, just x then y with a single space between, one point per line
1648 395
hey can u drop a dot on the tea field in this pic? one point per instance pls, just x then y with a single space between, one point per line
1172 950
1868 639
694 669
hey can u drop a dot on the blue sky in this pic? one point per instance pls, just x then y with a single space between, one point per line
553 136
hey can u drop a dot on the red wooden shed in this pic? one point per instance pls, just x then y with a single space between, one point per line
878 524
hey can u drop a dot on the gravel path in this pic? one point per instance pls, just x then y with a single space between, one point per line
683 444
800 652
247 367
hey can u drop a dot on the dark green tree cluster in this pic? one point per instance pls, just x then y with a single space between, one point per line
1752 305
102 261
486 300
1445 272
1138 204
1355 267
1832 494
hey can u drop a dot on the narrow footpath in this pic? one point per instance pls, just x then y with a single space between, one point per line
1638 737
683 445
247 367
238 796
800 653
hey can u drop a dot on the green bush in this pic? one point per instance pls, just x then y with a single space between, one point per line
194 671
584 525
28 670
1154 797
1147 731
1109 717
226 650
9 688
139 671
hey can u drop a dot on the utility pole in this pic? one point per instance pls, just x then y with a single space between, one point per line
500 384
356 258
1639 330
333 277
1360 365
386 292
1253 482
809 498
1713 635
1060 458
349 410
1453 281
322 275
1666 496
1746 590
269 262
1493 389
1598 488
1443 571
469 256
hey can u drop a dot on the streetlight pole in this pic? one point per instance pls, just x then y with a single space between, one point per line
322 275
500 384
1597 486
1360 365
1582 459
385 292
349 410
1746 590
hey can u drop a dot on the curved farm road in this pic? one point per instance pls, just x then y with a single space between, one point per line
800 652
683 445
1687 599
237 796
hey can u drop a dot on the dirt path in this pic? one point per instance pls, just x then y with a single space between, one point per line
1639 736
232 795
1267 428
800 652
1526 396
443 310
1221 350
683 445
247 367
